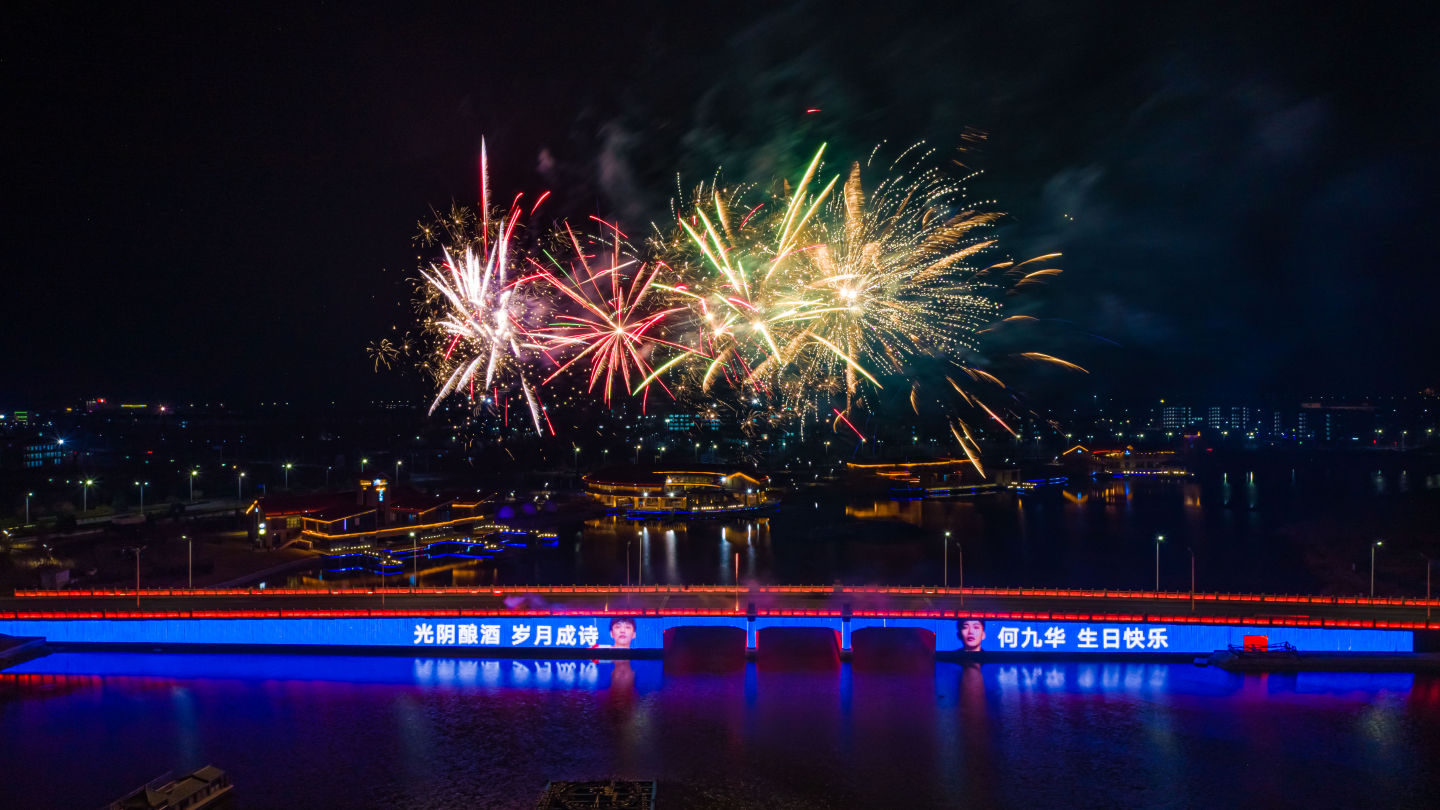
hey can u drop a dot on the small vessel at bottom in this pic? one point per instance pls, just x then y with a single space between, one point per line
202 788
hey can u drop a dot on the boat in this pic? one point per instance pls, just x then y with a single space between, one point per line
204 787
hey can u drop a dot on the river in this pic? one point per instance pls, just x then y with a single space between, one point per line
1269 527
385 732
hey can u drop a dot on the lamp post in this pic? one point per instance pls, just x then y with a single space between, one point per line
363 462
239 480
190 544
136 551
1373 546
327 477
946 560
28 496
193 473
398 462
142 485
697 452
637 455
960 553
576 448
627 563
415 555
288 465
1192 578
1427 584
1159 538
85 495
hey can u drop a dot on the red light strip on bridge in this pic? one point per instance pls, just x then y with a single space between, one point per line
1112 618
1065 593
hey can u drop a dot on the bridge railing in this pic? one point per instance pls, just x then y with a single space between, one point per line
732 590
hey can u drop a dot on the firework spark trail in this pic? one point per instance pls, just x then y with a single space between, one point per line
842 418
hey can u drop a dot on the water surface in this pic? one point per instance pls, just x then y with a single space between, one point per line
384 732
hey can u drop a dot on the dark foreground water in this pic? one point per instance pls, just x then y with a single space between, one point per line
77 730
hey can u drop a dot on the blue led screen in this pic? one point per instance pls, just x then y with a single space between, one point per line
647 633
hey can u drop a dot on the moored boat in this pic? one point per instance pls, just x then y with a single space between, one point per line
201 788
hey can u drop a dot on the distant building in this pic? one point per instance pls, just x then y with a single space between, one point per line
338 521
1341 424
33 452
1175 418
694 488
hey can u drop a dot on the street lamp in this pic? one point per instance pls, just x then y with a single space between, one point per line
191 546
1428 561
85 495
637 455
946 564
576 448
193 473
415 555
28 496
1159 538
327 477
960 553
136 551
1192 578
697 451
398 462
239 479
288 465
1373 546
363 462
142 485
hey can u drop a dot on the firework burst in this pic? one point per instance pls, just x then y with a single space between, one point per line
477 314
816 290
768 300
619 318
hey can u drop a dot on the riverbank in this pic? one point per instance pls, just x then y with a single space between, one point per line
1247 662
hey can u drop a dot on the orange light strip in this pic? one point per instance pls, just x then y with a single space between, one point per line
903 465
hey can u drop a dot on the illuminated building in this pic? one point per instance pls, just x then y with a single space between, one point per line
377 511
694 488
33 453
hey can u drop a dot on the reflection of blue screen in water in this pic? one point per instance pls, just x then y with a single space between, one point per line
421 729
580 673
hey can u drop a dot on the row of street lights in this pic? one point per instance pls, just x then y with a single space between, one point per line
1160 538
239 485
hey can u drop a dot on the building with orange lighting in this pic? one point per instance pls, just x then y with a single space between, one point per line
341 521
694 489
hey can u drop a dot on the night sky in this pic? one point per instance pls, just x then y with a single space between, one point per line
207 202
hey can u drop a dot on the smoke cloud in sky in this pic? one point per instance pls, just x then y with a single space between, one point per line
1232 208
1243 194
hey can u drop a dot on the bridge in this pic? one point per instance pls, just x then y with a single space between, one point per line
607 621
1297 610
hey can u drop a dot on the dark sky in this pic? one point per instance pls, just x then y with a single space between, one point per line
211 201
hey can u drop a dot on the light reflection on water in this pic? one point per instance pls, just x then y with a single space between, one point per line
449 733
